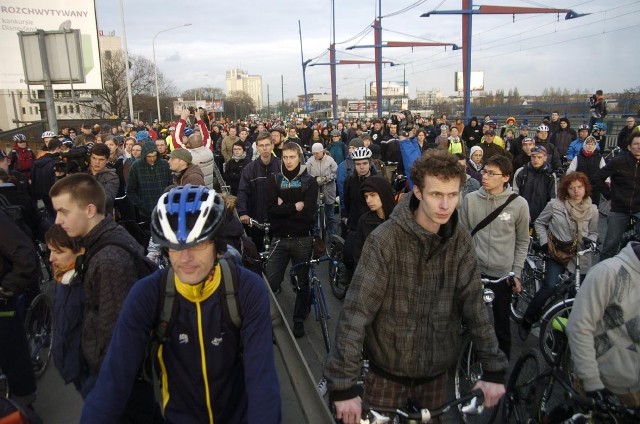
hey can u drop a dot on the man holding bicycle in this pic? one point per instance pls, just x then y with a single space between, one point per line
291 197
416 281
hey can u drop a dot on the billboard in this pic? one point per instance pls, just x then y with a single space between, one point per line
477 81
390 88
216 106
48 15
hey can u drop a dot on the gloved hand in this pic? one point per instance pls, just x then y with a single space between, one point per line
321 180
606 398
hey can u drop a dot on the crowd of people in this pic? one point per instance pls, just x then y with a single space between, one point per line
426 207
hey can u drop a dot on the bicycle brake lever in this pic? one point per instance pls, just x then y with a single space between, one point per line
378 418
472 408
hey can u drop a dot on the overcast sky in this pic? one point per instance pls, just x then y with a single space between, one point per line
597 51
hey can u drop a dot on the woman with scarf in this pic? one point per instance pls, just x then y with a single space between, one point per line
136 152
235 165
561 226
116 161
474 164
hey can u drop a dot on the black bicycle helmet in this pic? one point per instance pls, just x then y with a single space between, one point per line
186 216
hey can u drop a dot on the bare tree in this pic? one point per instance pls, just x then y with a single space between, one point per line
204 93
113 99
239 104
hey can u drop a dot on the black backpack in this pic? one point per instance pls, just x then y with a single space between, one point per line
144 265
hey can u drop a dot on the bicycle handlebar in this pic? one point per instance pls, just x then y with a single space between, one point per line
311 262
425 414
499 280
259 225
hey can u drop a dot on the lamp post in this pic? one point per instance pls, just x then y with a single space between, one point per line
155 66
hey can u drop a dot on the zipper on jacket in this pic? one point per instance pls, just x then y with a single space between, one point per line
633 192
203 361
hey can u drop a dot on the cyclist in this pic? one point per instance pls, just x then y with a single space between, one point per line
291 197
324 169
563 223
501 244
205 375
576 145
416 281
536 182
18 275
542 140
251 189
603 329
624 193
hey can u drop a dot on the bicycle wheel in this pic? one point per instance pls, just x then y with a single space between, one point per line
39 328
468 372
338 275
46 272
323 315
521 401
322 223
553 341
520 302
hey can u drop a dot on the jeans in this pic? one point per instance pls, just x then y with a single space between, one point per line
616 225
294 249
329 213
502 314
552 271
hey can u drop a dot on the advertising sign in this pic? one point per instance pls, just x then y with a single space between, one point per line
48 15
477 81
216 106
390 88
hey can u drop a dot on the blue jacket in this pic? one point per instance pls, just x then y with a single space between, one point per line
575 147
242 388
410 150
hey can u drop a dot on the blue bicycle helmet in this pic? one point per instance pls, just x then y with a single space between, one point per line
601 126
186 216
188 132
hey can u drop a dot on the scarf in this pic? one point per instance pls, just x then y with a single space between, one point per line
579 213
476 166
587 154
239 158
59 273
290 175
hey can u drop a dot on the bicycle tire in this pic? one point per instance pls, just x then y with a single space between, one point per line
553 340
520 302
468 372
338 278
39 329
520 403
323 315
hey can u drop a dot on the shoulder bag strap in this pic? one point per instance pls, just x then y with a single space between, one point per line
493 215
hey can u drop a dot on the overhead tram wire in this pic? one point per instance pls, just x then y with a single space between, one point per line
405 9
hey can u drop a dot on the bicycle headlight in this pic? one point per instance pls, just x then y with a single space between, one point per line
488 295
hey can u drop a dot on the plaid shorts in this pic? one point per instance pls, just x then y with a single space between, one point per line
383 392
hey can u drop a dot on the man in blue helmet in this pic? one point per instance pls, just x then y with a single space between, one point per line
211 370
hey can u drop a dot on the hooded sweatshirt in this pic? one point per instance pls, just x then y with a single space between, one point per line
370 219
405 304
502 245
603 325
147 182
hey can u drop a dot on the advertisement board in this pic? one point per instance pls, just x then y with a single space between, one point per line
477 81
48 15
216 106
390 88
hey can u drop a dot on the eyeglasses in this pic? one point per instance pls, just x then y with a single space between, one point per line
489 173
195 248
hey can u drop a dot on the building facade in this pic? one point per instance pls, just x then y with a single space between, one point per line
239 80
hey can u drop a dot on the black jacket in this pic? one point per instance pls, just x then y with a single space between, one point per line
285 219
233 172
624 194
43 176
537 186
12 196
252 198
18 259
590 166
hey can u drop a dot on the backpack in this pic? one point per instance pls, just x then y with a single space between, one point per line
69 315
592 101
168 310
24 160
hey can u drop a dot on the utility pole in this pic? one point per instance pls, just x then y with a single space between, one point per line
332 60
268 105
282 85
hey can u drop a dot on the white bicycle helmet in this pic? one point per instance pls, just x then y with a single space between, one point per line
361 153
19 138
186 216
48 134
542 127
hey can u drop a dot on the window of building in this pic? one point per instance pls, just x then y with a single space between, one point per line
65 109
24 111
59 110
30 110
77 108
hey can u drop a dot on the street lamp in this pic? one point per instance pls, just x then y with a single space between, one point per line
155 66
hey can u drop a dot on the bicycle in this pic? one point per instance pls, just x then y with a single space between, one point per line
529 397
266 239
318 300
410 414
531 280
339 278
555 315
468 368
321 216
